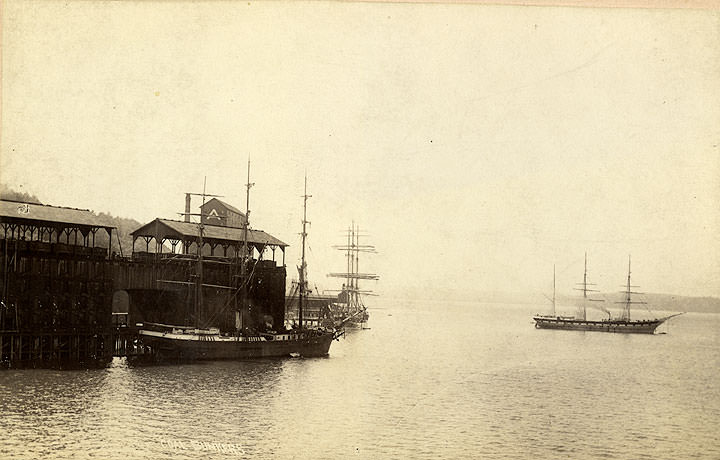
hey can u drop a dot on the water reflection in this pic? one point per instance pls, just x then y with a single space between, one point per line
436 381
129 411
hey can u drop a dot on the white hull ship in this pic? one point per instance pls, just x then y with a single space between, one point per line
624 324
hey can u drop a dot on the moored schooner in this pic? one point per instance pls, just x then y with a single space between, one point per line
205 341
621 324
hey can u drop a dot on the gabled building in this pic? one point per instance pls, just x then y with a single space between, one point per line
217 212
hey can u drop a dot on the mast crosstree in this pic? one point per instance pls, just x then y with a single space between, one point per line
625 316
199 284
203 342
585 290
303 265
350 294
622 324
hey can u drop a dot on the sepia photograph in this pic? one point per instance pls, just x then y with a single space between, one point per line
359 229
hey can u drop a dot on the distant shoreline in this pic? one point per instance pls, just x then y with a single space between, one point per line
667 302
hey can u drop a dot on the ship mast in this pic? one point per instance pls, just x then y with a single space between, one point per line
584 317
553 299
243 262
199 293
302 263
354 256
350 271
628 301
198 301
585 290
626 314
351 288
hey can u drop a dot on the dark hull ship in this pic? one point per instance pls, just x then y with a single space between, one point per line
624 324
608 325
207 344
202 342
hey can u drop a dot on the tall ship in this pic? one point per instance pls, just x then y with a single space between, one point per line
621 324
203 340
349 308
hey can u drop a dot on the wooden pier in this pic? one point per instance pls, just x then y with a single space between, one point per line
68 301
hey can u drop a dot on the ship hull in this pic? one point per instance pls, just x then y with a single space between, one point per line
180 347
617 326
356 321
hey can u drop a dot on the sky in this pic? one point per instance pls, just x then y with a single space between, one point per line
476 146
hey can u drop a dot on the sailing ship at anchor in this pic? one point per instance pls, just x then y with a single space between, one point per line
621 324
349 309
201 341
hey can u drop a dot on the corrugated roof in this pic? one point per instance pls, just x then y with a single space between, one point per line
175 228
13 210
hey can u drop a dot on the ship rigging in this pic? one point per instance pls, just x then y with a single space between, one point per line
202 341
622 324
349 307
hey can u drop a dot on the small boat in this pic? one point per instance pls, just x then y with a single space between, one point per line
623 324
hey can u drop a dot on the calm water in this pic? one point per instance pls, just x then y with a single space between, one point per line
431 380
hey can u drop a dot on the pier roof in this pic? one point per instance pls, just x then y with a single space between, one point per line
32 213
172 229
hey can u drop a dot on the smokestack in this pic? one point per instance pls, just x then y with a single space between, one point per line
187 207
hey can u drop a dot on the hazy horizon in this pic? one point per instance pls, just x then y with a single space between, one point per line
477 146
